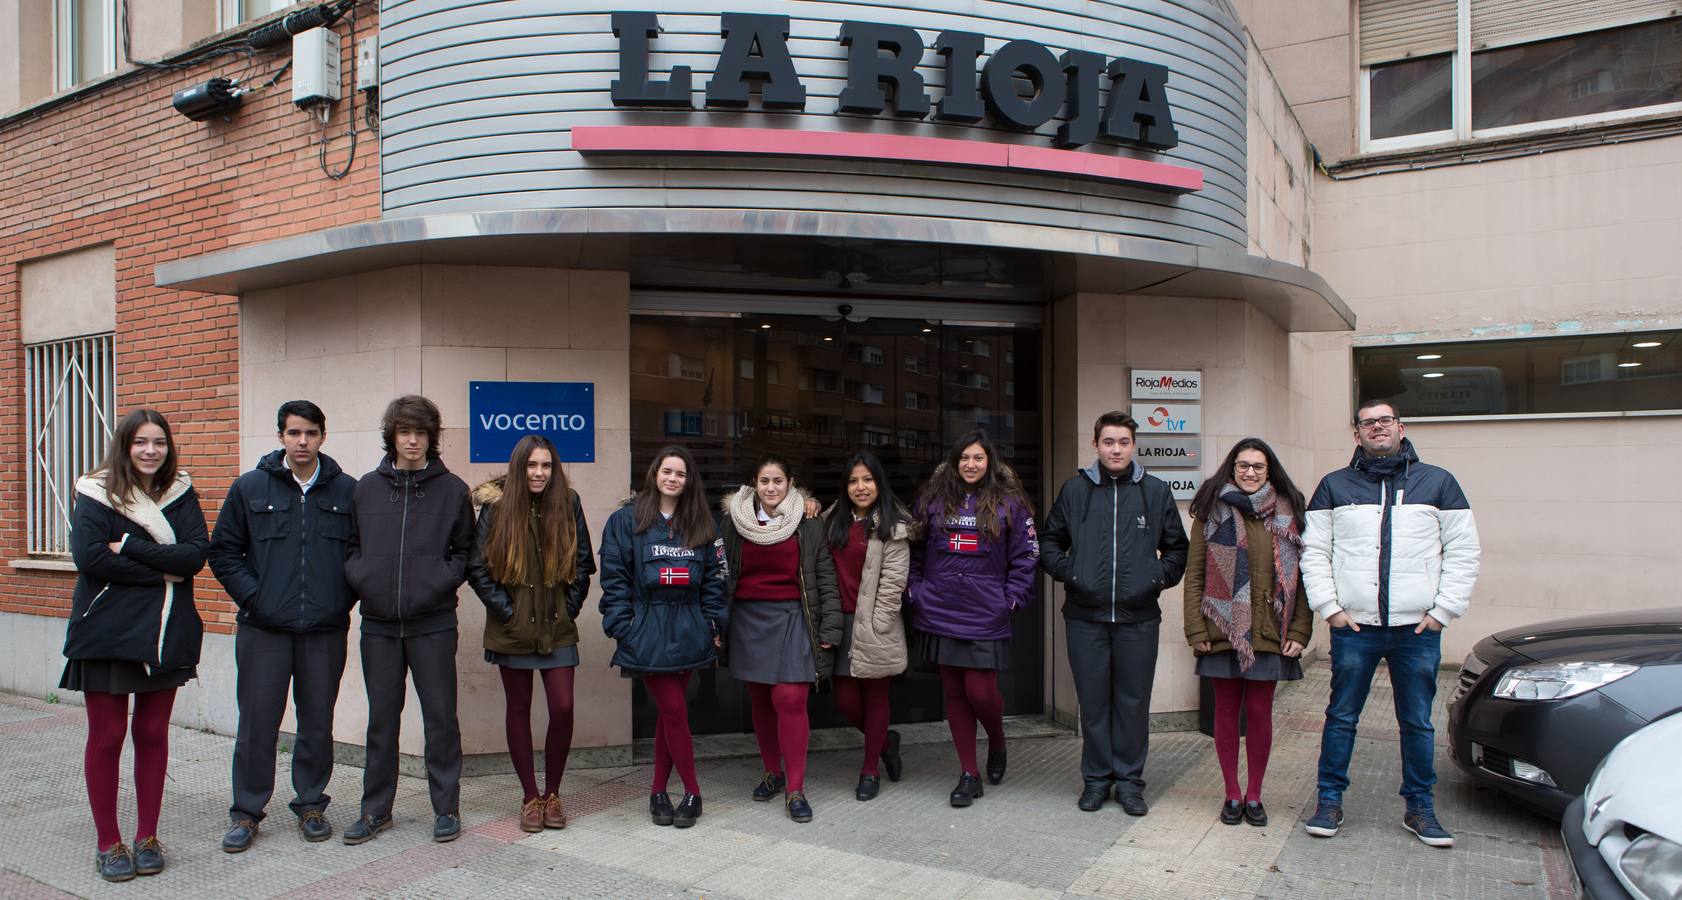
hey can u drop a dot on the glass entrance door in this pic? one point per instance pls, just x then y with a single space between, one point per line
813 390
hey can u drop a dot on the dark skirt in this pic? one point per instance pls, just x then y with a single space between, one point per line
931 650
560 658
1267 667
115 676
769 643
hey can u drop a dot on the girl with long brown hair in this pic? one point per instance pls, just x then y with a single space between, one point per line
531 567
664 602
973 562
138 538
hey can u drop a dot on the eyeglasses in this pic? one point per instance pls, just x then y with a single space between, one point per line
1386 421
1257 468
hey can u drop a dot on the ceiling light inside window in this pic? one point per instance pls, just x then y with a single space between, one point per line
1628 365
1433 375
1647 345
1429 356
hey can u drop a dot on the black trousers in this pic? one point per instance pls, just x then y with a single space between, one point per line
430 660
270 661
1113 666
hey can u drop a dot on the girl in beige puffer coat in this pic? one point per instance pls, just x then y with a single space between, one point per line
867 536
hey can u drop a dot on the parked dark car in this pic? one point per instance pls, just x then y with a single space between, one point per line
1537 708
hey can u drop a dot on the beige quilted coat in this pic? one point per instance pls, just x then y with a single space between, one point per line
879 649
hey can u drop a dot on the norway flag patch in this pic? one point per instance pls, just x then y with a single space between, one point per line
962 543
677 575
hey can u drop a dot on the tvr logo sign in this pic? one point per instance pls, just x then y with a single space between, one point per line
1168 418
1163 419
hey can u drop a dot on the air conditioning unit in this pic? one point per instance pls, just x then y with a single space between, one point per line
1588 369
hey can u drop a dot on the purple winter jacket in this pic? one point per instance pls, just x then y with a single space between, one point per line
964 586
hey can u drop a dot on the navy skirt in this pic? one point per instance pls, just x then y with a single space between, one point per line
1267 667
931 650
559 658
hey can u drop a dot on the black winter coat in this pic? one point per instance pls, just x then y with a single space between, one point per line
409 544
661 600
1115 544
123 609
280 553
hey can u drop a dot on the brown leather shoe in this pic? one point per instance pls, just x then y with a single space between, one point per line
554 812
531 815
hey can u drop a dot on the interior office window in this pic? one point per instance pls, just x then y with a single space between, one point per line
1529 63
87 39
1568 374
70 408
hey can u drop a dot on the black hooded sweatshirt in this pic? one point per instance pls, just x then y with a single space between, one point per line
410 539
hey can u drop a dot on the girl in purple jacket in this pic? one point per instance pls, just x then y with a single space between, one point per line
972 565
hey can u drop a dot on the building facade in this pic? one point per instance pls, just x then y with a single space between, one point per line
808 228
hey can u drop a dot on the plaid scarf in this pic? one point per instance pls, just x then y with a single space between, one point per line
1226 583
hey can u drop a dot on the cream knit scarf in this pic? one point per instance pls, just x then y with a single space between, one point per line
784 520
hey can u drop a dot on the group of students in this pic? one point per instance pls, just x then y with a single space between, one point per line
787 595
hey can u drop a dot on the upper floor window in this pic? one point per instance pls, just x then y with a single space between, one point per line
1437 71
236 11
86 40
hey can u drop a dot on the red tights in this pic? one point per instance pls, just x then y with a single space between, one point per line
672 744
972 695
1256 699
108 724
557 741
781 728
864 704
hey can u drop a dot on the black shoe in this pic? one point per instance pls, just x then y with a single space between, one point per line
995 766
688 810
366 828
1132 804
115 864
869 786
769 786
313 826
447 828
1092 799
798 809
660 808
1255 813
148 856
1232 812
240 835
969 788
892 763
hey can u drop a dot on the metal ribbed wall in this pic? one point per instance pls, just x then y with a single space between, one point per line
478 100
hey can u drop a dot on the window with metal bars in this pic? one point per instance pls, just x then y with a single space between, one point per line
70 403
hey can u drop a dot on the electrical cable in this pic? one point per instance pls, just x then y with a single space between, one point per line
350 127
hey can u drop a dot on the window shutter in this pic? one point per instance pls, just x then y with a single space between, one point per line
1497 23
1398 29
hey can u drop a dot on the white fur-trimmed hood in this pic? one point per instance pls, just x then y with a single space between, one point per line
143 511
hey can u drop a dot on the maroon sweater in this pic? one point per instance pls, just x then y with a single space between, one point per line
770 572
849 564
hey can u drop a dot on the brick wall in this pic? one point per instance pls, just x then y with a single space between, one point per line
120 166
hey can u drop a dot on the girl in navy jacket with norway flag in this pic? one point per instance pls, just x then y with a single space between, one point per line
664 600
972 564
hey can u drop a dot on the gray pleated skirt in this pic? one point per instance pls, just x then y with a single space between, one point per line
1267 667
769 643
559 658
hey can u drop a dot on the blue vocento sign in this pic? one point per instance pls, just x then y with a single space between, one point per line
505 411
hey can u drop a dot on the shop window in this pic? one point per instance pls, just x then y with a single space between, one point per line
70 402
1530 376
87 40
1529 65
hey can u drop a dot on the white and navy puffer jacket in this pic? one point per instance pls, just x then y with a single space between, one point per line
1390 540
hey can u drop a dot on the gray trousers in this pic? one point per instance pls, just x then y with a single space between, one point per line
1113 667
429 659
269 662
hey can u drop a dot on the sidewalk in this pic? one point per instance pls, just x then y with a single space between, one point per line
1023 839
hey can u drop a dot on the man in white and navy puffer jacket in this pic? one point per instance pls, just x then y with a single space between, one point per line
1389 558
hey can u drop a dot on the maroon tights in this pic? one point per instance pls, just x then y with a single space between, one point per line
781 728
108 723
864 704
1256 699
672 744
557 742
972 695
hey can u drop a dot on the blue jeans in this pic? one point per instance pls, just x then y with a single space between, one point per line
1412 660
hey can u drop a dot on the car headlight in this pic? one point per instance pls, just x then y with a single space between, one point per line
1556 681
1653 866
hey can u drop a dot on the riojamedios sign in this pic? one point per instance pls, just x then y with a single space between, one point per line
879 57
